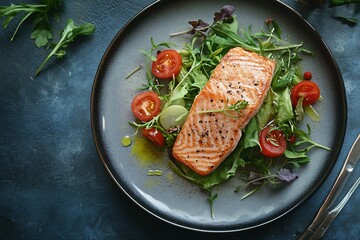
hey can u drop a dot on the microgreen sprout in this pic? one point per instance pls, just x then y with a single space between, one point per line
201 27
257 180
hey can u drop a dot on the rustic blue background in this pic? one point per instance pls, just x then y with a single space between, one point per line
52 182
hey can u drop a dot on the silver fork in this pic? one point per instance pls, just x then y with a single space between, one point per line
325 217
325 224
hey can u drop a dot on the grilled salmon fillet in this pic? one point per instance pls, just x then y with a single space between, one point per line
206 139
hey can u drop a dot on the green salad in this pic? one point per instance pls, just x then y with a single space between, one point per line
272 145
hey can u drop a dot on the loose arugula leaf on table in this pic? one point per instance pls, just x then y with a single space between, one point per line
334 3
348 20
40 12
312 2
69 33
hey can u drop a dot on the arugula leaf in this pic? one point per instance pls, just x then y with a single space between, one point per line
305 137
42 35
294 155
69 33
42 31
334 3
212 198
284 80
150 54
274 26
349 20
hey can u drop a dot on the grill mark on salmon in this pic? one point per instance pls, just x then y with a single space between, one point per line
206 139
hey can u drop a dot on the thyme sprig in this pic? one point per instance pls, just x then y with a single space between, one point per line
233 108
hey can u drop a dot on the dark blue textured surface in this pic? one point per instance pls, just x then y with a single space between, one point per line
52 183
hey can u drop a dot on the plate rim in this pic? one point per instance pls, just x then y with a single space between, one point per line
99 146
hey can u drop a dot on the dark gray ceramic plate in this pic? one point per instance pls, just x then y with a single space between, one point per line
170 197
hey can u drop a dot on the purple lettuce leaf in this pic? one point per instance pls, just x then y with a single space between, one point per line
286 175
198 25
225 13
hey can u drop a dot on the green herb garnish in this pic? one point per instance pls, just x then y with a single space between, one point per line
40 12
68 34
236 107
334 3
210 42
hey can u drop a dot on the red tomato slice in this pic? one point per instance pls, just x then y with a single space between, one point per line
167 64
154 135
306 89
272 142
145 106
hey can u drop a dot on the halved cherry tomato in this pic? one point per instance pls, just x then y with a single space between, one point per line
154 135
167 64
272 142
145 106
306 89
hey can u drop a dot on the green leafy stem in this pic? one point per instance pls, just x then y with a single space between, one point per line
236 107
68 35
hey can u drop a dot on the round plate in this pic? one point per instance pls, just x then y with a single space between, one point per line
170 197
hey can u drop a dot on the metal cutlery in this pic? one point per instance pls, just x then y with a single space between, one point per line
325 217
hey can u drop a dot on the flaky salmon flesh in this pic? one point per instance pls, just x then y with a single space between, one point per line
208 136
